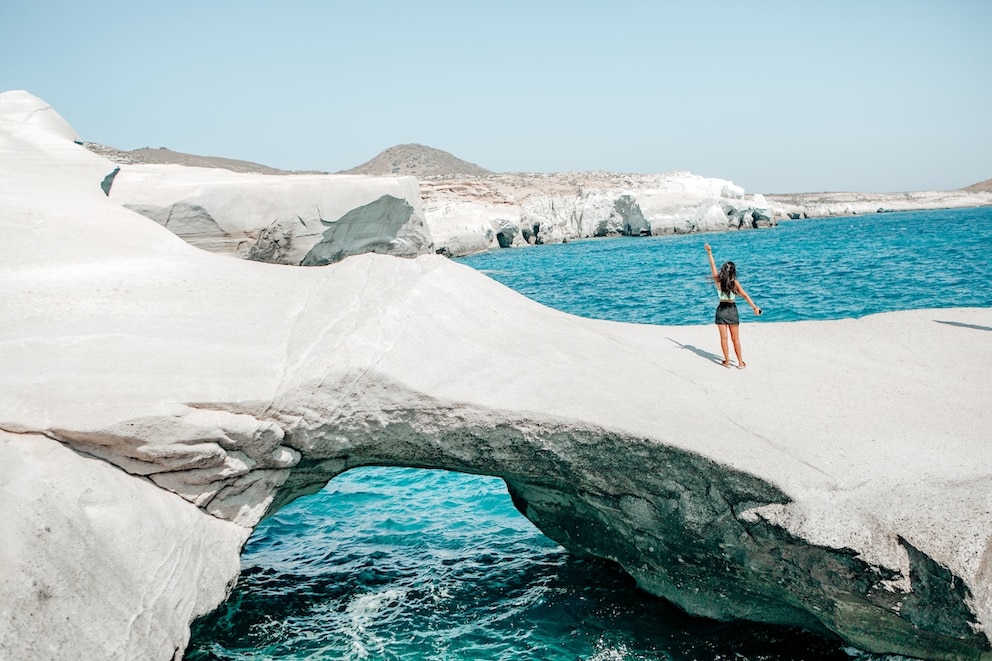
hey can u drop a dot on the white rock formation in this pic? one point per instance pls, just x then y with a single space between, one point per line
468 214
284 219
98 564
842 482
823 205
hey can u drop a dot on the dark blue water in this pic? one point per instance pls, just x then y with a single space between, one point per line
405 564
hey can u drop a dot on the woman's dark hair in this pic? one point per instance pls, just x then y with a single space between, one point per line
728 277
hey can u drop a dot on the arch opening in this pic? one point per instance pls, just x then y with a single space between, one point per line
411 563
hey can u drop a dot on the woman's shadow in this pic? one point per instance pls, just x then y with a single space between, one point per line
712 357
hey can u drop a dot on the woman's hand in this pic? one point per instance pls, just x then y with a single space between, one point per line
709 253
757 310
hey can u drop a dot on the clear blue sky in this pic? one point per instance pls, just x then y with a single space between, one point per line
777 96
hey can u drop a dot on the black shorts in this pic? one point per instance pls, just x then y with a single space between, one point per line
726 314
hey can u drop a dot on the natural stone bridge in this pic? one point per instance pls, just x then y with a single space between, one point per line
157 401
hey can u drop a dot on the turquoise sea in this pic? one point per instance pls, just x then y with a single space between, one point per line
406 564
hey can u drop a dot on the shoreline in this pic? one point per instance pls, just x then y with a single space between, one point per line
470 213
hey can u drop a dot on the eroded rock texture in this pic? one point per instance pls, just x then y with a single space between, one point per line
381 227
278 218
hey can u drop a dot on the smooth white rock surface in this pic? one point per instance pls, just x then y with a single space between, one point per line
99 565
278 218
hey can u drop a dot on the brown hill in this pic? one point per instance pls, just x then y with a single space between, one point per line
980 187
418 161
167 156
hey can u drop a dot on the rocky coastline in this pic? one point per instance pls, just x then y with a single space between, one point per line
464 208
826 205
472 214
482 212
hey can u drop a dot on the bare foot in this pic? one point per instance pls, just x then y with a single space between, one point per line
726 364
741 366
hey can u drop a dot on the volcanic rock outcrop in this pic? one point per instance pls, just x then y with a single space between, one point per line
470 214
156 401
279 218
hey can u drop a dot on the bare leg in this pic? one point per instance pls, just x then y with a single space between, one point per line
735 335
723 343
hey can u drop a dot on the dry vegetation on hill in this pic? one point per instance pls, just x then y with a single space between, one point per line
167 156
415 160
418 161
980 187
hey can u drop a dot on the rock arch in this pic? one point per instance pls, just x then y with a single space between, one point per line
685 527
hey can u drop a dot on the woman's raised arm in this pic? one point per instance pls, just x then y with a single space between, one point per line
709 251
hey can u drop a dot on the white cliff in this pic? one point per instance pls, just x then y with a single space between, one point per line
472 213
295 219
840 483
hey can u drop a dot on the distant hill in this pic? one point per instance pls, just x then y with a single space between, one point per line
167 156
418 161
980 187
410 159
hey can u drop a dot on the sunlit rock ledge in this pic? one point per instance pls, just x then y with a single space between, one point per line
156 401
297 219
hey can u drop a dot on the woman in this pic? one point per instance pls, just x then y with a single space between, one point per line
727 319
